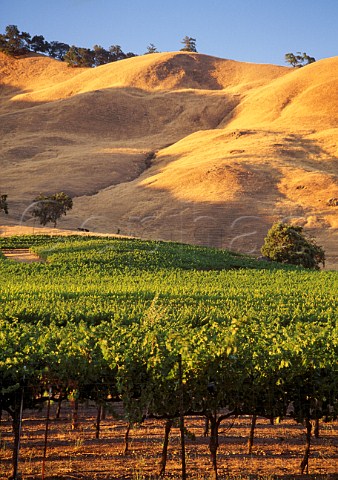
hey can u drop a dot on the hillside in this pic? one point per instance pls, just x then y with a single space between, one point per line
174 146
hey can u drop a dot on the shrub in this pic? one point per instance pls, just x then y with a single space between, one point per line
288 244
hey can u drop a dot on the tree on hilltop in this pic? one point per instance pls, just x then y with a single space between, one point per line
116 53
151 49
299 60
13 42
51 208
79 57
189 44
288 244
39 44
101 55
58 50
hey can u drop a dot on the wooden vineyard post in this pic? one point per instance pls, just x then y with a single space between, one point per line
46 435
180 376
252 433
305 461
126 439
163 462
17 425
98 421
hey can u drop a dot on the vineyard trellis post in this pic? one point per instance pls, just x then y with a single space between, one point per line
46 435
17 424
163 462
252 433
180 379
305 462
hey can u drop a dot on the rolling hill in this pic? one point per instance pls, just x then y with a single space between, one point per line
175 146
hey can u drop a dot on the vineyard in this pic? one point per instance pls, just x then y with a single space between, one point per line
164 332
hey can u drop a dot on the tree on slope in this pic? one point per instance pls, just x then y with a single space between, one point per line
288 244
50 208
3 203
189 44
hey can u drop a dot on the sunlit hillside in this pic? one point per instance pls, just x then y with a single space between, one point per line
178 146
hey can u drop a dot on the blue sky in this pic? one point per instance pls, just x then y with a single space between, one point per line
259 31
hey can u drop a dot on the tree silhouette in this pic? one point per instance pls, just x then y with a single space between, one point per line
189 44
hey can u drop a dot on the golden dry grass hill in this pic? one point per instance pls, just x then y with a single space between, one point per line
177 146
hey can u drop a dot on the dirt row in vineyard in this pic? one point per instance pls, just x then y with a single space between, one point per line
21 255
77 454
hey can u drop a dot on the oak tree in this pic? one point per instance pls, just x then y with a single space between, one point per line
50 208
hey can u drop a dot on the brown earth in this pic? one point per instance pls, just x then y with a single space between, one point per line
175 146
76 454
21 255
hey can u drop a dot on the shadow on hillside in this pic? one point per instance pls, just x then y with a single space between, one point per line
120 113
143 210
8 105
49 147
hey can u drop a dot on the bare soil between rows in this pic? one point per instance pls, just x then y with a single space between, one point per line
76 454
23 255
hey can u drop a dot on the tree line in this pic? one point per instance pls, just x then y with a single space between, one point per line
16 43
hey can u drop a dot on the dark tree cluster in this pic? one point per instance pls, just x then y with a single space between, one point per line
16 43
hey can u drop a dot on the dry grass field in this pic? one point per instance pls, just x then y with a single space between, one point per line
177 146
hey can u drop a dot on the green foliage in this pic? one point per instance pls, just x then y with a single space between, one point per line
298 60
58 50
288 244
108 319
116 53
39 44
3 203
50 208
100 56
14 42
189 44
79 57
